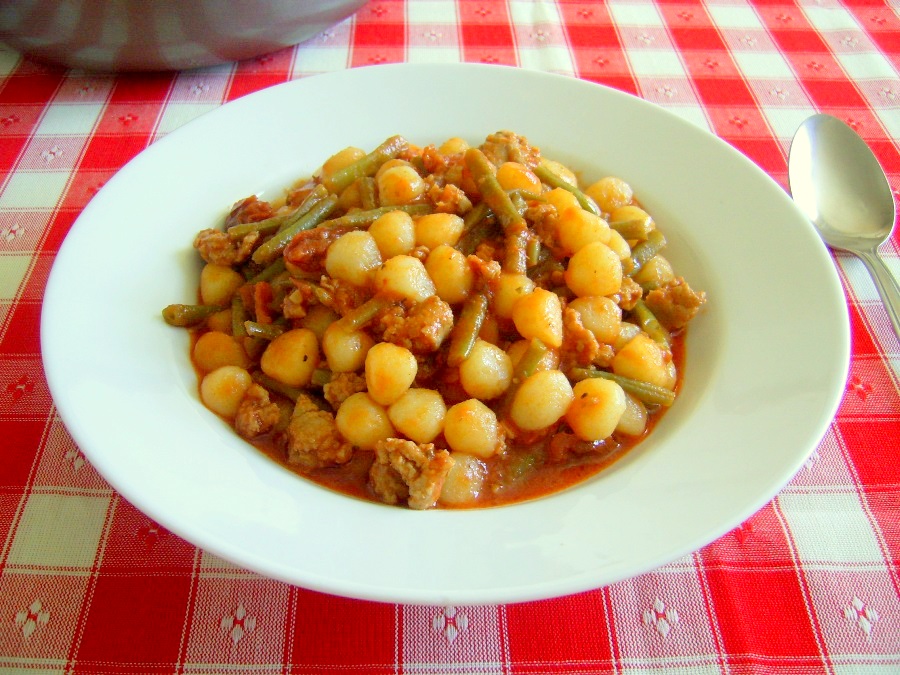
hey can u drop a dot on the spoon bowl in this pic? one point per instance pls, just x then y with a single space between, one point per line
838 183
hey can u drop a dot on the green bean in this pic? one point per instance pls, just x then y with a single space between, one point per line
645 391
238 316
187 316
255 347
282 285
467 327
366 218
269 272
359 316
515 253
518 201
492 193
281 220
547 176
545 267
648 322
526 196
646 250
500 202
520 465
237 232
636 228
517 258
477 226
311 201
272 248
274 385
529 361
525 367
478 213
316 195
365 166
367 192
533 251
266 331
476 234
418 164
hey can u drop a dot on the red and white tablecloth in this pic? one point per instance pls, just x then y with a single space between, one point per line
809 584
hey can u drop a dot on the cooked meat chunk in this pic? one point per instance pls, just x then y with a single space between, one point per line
490 251
297 303
404 470
342 386
505 146
294 305
447 198
218 248
444 168
629 294
544 220
313 440
421 329
341 296
249 210
296 195
579 347
676 304
487 270
604 357
434 162
256 414
387 484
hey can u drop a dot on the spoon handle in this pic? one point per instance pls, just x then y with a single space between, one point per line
886 285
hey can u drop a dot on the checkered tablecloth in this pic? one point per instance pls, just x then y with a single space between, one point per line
809 584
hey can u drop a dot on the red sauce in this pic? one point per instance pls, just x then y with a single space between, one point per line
526 470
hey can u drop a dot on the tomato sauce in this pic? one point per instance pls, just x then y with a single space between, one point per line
526 470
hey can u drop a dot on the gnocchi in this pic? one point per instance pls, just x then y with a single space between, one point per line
460 326
223 389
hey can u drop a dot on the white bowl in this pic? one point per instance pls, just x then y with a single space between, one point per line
766 360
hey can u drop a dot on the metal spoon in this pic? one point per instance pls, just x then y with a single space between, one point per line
837 182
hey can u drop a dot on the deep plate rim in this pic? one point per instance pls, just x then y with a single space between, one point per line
57 352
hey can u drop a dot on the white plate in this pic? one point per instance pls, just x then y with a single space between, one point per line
766 361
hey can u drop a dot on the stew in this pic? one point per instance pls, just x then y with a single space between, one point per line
441 326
